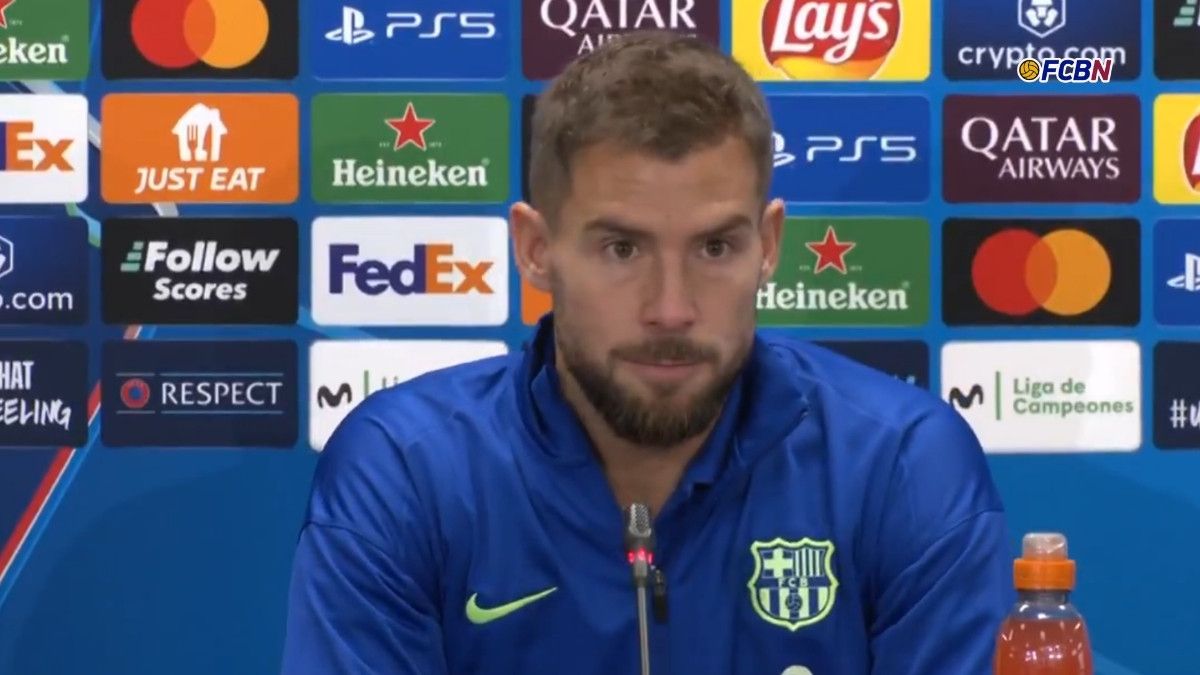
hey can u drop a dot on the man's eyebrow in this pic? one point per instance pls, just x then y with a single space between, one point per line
609 225
729 226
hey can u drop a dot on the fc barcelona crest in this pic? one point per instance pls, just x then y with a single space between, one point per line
793 583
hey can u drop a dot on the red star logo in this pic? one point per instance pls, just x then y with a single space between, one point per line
4 4
409 129
830 252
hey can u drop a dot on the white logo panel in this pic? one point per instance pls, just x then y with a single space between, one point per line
344 372
43 148
410 271
1047 396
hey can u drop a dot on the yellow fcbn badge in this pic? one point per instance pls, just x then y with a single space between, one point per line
793 583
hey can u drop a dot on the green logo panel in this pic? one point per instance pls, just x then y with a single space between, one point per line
391 148
849 272
44 40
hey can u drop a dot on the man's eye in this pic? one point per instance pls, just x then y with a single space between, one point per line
622 249
715 248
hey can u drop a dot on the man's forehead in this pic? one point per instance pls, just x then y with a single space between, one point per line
728 224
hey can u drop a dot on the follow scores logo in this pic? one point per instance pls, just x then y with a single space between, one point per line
211 39
410 271
1047 396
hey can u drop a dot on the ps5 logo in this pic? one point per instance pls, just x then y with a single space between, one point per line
1190 279
900 149
353 29
471 25
892 149
782 156
465 25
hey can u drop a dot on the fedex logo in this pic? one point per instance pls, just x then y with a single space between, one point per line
410 271
1066 70
23 149
43 148
431 269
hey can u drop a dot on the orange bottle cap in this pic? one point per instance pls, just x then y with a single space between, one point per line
1044 565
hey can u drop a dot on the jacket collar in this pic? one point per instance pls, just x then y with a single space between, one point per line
767 402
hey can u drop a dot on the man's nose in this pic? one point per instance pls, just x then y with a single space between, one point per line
671 301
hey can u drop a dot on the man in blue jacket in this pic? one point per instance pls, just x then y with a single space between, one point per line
812 516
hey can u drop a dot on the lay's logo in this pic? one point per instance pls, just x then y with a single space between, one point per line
43 148
410 271
833 39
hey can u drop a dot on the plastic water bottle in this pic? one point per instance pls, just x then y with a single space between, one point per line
1044 634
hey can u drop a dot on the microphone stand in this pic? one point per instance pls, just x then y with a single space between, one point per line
639 544
643 629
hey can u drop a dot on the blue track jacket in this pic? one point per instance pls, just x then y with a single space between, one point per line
837 522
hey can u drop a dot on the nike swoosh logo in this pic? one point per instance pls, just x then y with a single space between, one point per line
480 615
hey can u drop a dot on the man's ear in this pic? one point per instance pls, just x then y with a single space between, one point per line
771 231
531 243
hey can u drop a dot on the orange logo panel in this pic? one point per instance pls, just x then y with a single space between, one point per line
233 148
534 303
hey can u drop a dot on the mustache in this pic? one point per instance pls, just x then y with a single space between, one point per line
666 349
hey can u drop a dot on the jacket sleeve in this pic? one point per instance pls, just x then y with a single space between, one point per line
364 594
943 577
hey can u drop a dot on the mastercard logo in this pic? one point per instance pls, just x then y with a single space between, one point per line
1065 272
218 33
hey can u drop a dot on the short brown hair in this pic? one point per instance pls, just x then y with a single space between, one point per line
653 91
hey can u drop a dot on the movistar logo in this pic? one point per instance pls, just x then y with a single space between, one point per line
480 615
960 400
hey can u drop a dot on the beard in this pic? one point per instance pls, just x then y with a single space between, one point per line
652 423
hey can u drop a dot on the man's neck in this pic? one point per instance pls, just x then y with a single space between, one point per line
635 473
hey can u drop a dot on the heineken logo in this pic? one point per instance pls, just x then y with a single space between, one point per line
13 51
850 297
43 39
347 172
410 148
849 271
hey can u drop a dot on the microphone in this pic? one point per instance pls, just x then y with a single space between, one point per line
639 542
639 547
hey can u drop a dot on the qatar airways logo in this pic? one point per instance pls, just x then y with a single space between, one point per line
554 32
1042 148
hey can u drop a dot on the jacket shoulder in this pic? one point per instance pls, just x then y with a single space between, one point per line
841 384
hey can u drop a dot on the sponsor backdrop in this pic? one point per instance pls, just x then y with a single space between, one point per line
223 224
